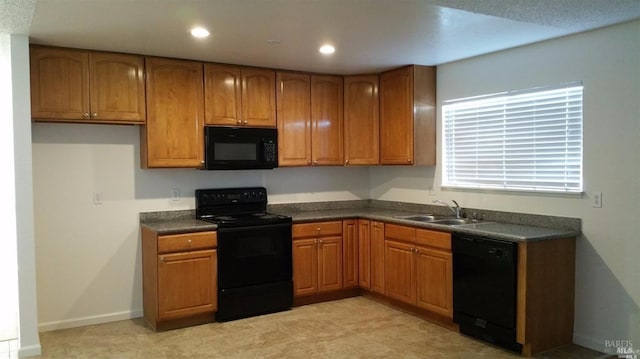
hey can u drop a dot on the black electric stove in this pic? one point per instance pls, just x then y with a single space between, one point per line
254 252
236 207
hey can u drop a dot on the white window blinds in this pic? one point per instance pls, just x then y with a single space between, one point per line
525 140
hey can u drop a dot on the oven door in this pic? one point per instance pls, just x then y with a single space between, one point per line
254 255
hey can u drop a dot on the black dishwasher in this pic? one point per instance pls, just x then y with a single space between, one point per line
484 289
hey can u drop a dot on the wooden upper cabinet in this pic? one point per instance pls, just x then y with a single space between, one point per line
294 119
59 84
327 120
407 116
222 94
239 96
85 86
361 117
117 87
259 97
173 135
310 114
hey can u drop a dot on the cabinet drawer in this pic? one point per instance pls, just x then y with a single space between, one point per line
318 229
402 233
187 242
435 239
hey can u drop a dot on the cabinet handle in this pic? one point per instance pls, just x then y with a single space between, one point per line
85 115
245 122
309 162
162 259
318 229
315 162
346 162
95 114
409 160
320 241
189 241
239 122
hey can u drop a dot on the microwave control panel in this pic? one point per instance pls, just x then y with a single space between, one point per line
270 151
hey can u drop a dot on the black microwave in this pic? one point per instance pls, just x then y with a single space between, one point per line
237 148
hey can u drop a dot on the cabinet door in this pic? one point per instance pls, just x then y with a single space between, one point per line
259 97
187 284
222 95
350 253
59 84
361 120
377 257
434 281
117 88
294 122
174 131
305 266
327 120
399 271
364 253
329 263
396 117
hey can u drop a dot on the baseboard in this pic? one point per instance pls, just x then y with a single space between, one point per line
96 319
588 342
29 351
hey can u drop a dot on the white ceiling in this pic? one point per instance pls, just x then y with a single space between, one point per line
370 35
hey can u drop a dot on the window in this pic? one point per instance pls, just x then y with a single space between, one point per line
529 140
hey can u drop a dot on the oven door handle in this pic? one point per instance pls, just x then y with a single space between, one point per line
264 227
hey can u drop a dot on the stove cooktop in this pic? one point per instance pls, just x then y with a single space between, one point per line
236 207
246 219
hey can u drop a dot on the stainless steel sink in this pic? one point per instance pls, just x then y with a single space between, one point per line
453 221
419 218
435 219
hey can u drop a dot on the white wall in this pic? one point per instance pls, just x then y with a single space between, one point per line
88 255
17 179
607 62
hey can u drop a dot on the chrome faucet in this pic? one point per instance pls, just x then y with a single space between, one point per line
456 210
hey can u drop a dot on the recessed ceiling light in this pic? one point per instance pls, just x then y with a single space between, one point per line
327 49
199 32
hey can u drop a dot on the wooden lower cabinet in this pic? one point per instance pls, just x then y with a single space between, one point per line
364 253
350 249
419 275
546 294
434 280
400 282
179 278
185 283
317 257
377 257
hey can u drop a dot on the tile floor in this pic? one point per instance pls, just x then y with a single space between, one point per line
351 328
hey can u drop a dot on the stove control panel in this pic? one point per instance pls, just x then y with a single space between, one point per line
222 196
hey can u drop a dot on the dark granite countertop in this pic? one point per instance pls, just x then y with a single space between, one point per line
506 231
172 226
526 227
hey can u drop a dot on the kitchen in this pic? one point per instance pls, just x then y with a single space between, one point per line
98 244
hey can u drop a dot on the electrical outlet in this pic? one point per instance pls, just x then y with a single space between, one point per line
97 197
175 194
597 199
